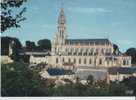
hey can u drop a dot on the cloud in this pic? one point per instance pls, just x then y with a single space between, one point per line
88 10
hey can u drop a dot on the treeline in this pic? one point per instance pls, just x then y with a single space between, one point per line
132 52
5 41
43 44
18 80
129 52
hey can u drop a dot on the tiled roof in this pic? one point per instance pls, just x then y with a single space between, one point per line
90 41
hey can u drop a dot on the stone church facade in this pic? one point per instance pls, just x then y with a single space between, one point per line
70 53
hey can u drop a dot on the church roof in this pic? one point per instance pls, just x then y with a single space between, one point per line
88 41
120 70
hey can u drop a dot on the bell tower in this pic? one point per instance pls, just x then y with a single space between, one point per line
60 35
61 32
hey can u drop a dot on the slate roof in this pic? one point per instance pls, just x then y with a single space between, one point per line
88 41
115 70
57 71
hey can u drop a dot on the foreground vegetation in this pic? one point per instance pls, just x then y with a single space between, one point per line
18 80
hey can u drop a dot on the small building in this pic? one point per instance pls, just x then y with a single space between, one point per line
118 73
97 73
5 59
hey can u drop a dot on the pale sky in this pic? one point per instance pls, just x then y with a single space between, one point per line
113 19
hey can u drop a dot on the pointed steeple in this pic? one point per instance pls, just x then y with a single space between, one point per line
61 34
61 21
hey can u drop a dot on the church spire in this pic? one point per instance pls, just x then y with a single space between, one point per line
61 34
61 21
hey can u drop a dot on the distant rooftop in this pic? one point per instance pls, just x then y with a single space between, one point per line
88 41
115 70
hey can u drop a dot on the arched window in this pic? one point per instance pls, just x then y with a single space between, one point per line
57 60
90 61
74 60
63 60
124 62
100 61
79 61
69 60
85 61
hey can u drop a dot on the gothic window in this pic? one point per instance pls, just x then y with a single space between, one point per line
57 60
89 53
63 60
69 60
124 62
75 52
100 61
85 61
90 61
84 54
79 61
74 60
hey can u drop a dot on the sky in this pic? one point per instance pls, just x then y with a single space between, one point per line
112 19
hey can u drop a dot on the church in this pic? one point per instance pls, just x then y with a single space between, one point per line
80 53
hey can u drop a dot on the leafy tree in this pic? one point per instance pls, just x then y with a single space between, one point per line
5 41
9 16
30 45
18 80
44 44
116 89
101 84
132 52
116 49
90 80
130 83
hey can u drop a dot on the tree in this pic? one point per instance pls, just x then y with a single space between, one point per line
30 45
5 41
132 52
44 44
116 49
116 89
18 80
130 83
90 80
9 16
